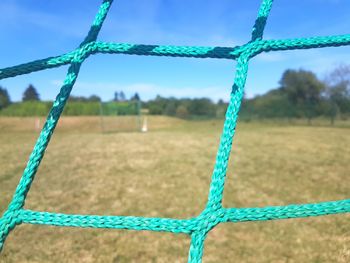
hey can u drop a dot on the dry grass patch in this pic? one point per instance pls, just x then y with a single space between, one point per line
166 173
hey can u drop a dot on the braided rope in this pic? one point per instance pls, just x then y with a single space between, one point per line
254 48
214 213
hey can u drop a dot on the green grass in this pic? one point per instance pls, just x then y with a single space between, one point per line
166 173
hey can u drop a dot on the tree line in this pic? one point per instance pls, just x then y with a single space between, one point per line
301 94
31 105
185 107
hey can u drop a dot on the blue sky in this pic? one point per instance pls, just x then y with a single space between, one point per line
33 29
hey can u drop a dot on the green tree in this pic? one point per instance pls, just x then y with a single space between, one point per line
31 94
273 104
94 98
135 97
182 112
338 91
4 98
154 108
157 106
303 90
221 108
170 108
202 107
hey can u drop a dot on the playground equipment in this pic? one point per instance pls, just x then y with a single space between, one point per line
214 213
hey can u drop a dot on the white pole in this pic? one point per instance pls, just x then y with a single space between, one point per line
37 124
144 126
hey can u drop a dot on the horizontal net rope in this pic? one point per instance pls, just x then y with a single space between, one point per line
213 214
185 226
255 48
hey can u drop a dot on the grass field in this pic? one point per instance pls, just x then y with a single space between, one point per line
166 173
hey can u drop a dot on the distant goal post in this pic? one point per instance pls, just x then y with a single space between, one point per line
122 116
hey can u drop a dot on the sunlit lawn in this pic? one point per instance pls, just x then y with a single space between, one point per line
166 173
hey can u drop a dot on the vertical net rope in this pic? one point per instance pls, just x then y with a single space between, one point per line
214 213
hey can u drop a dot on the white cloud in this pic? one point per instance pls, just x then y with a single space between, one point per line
271 57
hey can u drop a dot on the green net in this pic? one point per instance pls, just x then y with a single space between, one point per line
214 213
